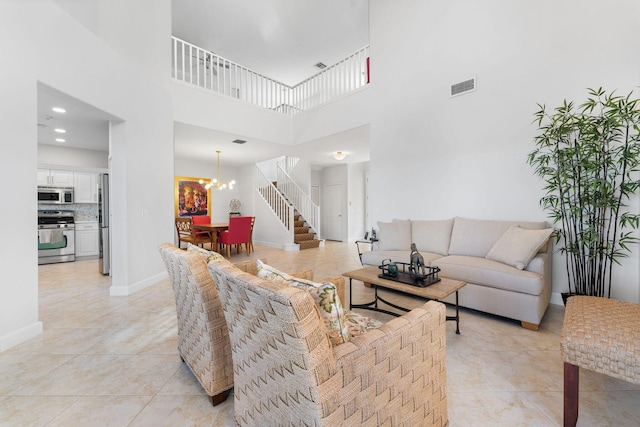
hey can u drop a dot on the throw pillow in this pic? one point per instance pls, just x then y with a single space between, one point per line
359 324
432 236
518 246
394 236
325 296
206 255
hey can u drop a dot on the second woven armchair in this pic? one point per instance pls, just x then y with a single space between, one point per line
287 373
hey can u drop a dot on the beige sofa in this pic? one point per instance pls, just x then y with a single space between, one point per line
506 264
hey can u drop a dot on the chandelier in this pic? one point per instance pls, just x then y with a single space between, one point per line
215 182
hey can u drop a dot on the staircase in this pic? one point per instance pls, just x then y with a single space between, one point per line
296 211
302 235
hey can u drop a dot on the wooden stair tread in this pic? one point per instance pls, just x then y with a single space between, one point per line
309 244
303 237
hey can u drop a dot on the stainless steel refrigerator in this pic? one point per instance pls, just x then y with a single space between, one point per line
103 220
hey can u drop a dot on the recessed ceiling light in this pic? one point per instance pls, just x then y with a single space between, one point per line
61 140
60 130
59 110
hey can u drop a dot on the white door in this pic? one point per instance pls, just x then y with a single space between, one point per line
333 208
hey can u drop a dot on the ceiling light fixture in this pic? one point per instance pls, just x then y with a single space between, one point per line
59 110
215 182
61 140
59 130
339 155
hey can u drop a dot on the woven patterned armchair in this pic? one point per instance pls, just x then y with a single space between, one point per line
287 373
203 340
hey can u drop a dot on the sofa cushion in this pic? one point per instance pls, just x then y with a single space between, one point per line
518 246
432 236
325 296
493 274
475 237
395 235
206 254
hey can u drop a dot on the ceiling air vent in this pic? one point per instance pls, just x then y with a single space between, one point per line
321 65
463 87
239 141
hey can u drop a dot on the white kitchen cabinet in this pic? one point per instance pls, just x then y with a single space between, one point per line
85 187
55 177
87 239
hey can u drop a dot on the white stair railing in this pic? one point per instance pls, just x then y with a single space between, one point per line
300 200
288 163
199 67
339 79
278 203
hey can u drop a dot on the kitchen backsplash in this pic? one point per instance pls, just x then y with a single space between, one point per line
82 211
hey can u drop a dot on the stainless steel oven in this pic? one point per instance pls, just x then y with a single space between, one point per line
56 237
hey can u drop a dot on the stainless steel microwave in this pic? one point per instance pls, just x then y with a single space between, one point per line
55 195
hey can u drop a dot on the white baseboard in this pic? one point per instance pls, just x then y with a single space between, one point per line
556 298
21 335
123 291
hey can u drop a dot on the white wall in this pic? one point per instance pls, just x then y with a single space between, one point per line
198 107
356 200
49 46
433 156
72 157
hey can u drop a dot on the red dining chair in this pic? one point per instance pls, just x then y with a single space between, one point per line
239 232
203 234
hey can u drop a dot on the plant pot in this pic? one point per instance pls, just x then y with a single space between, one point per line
565 296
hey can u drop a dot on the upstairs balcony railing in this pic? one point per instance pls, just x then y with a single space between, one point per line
195 66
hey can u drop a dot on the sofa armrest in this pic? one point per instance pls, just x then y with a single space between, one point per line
407 356
538 263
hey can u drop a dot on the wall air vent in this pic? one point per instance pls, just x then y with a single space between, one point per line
239 141
463 87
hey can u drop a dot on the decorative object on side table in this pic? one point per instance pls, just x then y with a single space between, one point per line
417 261
401 272
588 157
234 207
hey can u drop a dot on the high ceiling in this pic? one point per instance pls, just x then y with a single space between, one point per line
282 39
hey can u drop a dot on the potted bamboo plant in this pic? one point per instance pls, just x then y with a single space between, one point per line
588 157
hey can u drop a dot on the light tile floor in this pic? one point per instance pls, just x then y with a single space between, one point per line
112 361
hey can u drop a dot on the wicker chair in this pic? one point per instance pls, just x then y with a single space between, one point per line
203 340
186 233
287 373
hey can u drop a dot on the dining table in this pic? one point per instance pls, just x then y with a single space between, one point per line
214 228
